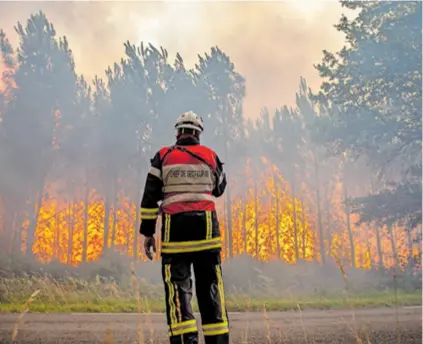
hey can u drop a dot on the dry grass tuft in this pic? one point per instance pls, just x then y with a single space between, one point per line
396 305
302 323
109 337
149 321
266 321
247 331
136 287
347 295
21 315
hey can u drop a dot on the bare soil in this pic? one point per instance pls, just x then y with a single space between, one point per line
375 326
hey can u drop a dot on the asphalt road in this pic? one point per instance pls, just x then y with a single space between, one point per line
375 326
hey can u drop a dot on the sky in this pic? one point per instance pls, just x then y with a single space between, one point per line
272 44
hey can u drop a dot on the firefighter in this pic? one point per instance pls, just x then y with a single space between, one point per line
186 178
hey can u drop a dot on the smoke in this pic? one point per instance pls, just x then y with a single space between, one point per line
271 44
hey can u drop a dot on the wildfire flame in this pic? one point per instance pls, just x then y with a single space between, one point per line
262 218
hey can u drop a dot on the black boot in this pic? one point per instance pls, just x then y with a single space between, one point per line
220 339
187 338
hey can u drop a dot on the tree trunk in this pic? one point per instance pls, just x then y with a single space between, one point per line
85 238
244 226
294 217
379 246
304 238
369 249
70 233
113 242
410 244
30 234
377 230
393 245
115 206
106 224
57 247
20 218
328 217
277 228
111 195
229 223
350 232
319 211
228 204
8 225
256 219
269 223
418 239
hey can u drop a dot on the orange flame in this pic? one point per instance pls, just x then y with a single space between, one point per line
262 225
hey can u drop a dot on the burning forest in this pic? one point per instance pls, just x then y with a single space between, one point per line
323 203
75 153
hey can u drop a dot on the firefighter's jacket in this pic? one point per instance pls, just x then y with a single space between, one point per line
186 178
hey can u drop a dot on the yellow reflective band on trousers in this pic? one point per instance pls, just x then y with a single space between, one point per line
209 225
178 303
215 329
183 327
170 302
191 246
166 236
221 293
149 214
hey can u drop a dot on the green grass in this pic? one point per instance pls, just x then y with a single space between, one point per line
76 295
86 302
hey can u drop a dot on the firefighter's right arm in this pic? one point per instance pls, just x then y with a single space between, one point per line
220 185
152 195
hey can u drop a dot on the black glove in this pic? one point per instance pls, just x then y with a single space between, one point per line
149 242
148 227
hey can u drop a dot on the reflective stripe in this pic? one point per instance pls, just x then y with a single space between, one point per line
155 172
183 324
183 327
149 217
187 197
215 329
208 225
221 293
188 188
191 246
150 210
149 214
171 303
221 178
178 303
166 236
188 174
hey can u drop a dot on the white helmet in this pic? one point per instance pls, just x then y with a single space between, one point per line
189 120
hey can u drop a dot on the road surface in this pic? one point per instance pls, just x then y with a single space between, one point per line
318 327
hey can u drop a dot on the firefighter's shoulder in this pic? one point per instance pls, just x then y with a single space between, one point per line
159 154
207 149
163 151
212 153
155 161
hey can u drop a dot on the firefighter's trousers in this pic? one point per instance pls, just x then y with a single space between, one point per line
176 271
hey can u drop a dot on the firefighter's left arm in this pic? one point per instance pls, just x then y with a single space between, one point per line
152 195
220 185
